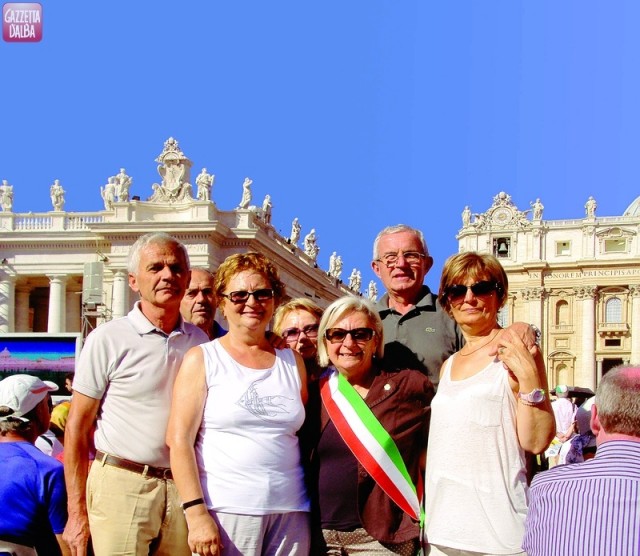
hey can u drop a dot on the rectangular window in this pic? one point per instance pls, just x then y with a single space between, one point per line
613 342
502 247
563 248
615 245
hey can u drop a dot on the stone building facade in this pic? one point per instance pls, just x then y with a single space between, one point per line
63 271
578 280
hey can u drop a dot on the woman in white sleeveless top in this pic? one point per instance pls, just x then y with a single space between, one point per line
491 407
237 406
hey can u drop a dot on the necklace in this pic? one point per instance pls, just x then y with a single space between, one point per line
480 347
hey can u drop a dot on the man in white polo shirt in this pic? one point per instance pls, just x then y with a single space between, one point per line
124 378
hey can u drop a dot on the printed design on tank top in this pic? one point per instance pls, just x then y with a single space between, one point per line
267 408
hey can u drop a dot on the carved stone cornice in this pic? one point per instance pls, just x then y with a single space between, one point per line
532 294
634 290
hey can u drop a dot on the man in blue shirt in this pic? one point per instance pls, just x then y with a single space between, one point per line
32 491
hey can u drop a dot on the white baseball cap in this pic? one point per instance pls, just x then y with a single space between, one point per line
22 393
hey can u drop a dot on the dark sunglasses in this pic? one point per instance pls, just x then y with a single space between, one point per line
291 334
337 335
243 296
485 287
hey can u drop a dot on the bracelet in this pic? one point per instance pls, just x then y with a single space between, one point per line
195 502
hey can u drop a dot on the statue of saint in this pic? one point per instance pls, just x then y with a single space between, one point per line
246 194
311 248
372 291
295 232
537 207
590 207
204 182
108 193
6 196
123 183
466 217
355 280
57 195
333 261
266 209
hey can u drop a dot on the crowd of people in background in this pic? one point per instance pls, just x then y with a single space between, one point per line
403 427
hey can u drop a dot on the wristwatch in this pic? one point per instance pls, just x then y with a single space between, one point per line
535 397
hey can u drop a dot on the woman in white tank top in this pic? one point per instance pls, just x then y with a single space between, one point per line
491 407
237 406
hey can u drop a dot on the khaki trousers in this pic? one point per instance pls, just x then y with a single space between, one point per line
132 515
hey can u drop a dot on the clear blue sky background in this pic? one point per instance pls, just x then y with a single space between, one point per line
352 114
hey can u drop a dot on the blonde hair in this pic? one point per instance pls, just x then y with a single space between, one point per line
297 304
340 308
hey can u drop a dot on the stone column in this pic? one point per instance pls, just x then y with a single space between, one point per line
7 303
599 361
634 290
22 309
534 298
120 301
588 371
73 312
57 312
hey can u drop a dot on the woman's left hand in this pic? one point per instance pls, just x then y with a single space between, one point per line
518 360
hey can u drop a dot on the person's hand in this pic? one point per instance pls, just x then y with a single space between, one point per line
76 534
524 332
517 359
204 536
276 342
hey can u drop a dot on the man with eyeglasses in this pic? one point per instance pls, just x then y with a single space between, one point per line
198 306
418 334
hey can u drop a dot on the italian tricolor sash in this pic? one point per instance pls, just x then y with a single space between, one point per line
369 441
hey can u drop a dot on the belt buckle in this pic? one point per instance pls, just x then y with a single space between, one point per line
166 473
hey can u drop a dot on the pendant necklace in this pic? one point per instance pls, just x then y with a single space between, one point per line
483 345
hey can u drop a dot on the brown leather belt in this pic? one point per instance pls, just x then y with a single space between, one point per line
140 468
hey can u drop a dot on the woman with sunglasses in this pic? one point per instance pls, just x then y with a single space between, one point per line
237 406
369 438
490 408
297 323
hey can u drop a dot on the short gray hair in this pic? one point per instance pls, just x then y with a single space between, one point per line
395 230
154 238
618 401
340 308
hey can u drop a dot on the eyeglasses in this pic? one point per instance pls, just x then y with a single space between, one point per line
243 296
410 257
292 334
484 287
337 335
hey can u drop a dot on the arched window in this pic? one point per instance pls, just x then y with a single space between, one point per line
563 374
613 310
562 312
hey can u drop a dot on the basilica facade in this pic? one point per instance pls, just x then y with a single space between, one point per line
577 280
64 272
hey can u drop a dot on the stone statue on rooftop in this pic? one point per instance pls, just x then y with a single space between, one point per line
537 207
466 217
246 194
372 292
123 184
266 209
355 280
295 232
335 265
57 195
204 181
590 207
6 196
108 193
311 248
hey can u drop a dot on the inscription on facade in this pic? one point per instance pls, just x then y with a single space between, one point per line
587 273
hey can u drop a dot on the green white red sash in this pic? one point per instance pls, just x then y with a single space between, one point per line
370 442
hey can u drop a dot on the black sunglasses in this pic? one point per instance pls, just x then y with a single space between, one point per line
243 296
310 331
485 287
337 335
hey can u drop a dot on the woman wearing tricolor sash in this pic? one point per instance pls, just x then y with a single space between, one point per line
369 439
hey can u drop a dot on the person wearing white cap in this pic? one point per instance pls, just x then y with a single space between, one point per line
32 492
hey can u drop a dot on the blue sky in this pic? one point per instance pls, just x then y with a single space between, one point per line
352 115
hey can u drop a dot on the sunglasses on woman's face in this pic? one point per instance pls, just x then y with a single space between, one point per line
292 334
337 335
243 296
479 289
